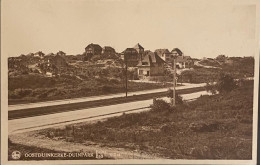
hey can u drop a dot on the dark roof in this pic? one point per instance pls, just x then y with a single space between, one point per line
130 49
161 51
96 46
146 52
109 48
138 46
150 59
178 51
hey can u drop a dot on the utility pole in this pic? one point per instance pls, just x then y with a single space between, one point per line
174 82
125 76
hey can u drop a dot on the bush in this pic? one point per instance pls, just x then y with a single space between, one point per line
107 88
114 81
161 105
36 71
226 83
19 93
95 57
24 72
43 95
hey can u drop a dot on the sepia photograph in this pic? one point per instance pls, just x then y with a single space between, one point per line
129 81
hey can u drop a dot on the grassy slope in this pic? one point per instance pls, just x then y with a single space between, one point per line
240 68
212 127
33 88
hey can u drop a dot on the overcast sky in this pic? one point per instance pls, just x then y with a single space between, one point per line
200 28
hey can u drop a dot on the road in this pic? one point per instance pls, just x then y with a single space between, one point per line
90 114
94 98
45 121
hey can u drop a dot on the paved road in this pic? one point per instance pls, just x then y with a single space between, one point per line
45 121
85 99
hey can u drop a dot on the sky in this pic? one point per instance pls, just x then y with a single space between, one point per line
200 28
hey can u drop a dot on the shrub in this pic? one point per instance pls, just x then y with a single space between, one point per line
114 81
161 105
226 83
107 89
95 57
43 95
24 72
20 93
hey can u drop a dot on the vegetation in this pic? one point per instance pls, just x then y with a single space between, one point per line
27 82
199 75
210 63
32 88
212 127
225 83
238 68
178 98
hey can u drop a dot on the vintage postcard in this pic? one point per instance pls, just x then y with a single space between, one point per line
129 81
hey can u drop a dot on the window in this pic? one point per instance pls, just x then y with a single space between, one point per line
141 72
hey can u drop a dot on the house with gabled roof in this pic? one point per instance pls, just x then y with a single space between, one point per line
176 52
150 65
93 49
131 56
164 54
108 52
139 48
181 60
